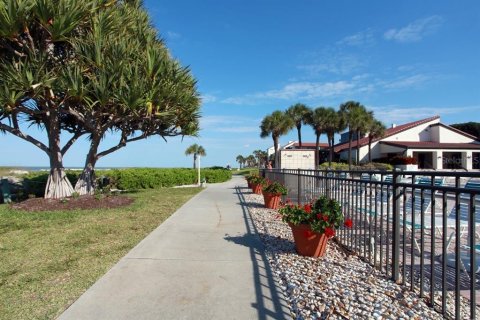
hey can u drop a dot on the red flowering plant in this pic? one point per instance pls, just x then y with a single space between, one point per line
323 215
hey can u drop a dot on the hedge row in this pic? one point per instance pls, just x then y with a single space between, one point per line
135 178
144 178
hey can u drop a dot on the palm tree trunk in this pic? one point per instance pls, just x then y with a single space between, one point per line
330 150
299 130
369 149
358 148
317 147
194 161
275 146
350 137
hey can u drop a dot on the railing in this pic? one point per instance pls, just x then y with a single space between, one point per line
419 228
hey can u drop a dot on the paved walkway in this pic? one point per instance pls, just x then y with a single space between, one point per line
204 262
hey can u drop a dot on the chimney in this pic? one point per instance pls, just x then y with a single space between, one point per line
394 125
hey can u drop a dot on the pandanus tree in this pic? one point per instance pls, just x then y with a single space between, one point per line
197 151
275 125
35 51
88 67
162 101
317 120
298 113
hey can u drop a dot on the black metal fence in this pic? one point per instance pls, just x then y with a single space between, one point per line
419 228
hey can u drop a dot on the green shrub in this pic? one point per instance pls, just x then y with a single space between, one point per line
149 178
334 166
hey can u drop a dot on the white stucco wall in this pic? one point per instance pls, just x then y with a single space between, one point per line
297 159
448 136
418 133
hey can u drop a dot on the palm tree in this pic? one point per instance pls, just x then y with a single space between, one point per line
275 124
250 161
196 150
365 119
298 113
261 157
376 130
240 159
317 120
333 124
351 113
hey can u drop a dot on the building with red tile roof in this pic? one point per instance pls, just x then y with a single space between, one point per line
433 144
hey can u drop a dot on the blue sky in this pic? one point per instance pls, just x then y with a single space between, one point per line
405 60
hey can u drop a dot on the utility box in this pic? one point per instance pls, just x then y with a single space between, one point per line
5 191
297 159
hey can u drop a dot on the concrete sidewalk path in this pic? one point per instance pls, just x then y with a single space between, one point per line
204 262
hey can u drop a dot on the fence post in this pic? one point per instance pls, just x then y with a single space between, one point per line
396 227
299 194
328 183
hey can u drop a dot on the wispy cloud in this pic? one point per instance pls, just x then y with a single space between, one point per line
295 91
335 63
229 124
407 81
399 115
416 30
238 129
208 98
173 35
363 38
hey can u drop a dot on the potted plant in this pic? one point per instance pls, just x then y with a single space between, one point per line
313 224
257 183
272 193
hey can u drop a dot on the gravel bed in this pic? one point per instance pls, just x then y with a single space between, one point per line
337 286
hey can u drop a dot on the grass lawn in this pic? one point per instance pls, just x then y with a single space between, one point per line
48 259
245 171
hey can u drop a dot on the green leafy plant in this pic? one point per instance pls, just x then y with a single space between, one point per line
75 195
323 215
256 179
275 188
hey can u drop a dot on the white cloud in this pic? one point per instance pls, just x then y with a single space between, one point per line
238 129
296 91
363 38
229 124
208 98
416 30
173 35
336 63
400 115
407 82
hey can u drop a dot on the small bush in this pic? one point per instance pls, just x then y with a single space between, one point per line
376 166
334 166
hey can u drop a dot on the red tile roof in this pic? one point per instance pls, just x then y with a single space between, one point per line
310 145
431 145
389 132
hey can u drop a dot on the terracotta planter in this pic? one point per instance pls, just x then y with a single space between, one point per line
272 200
249 184
307 242
257 188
